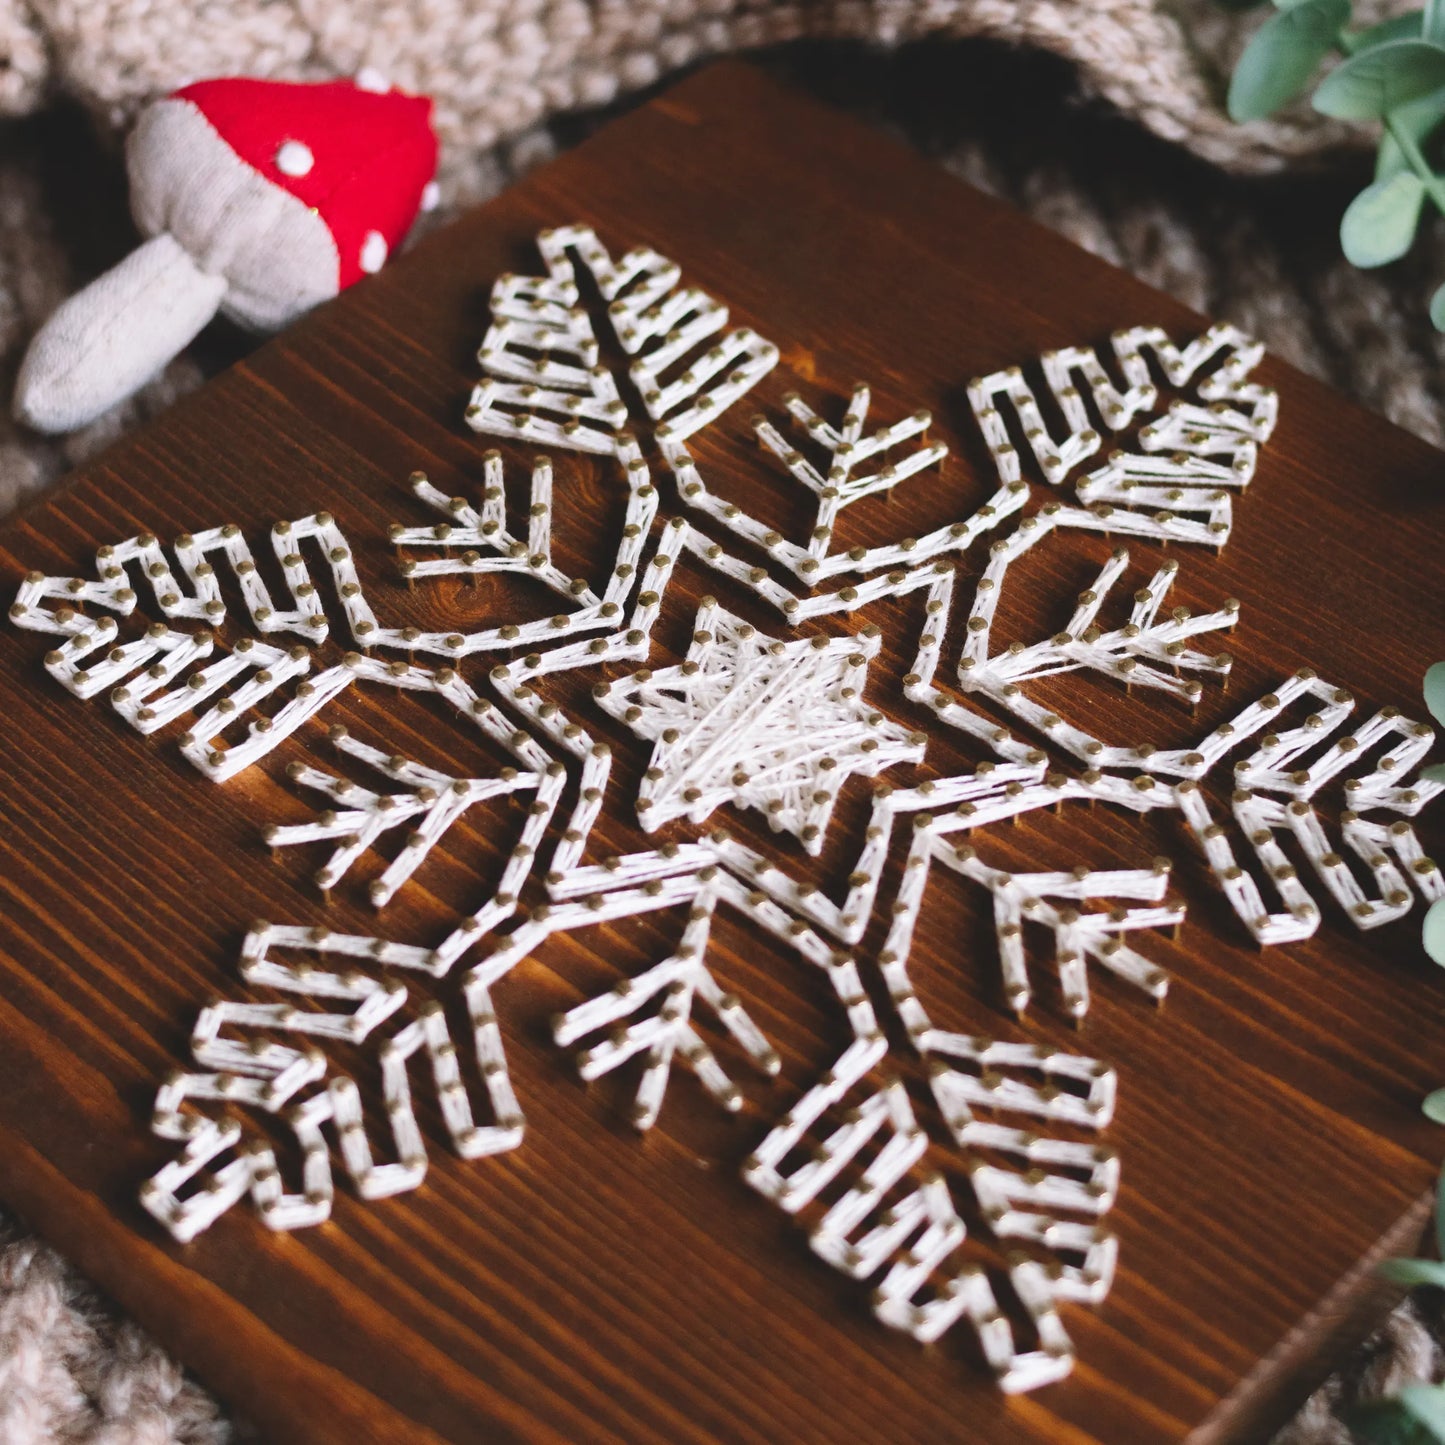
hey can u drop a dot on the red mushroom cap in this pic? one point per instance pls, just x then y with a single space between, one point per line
371 154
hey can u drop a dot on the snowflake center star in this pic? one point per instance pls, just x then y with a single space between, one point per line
749 720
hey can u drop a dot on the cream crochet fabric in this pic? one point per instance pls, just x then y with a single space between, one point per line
1263 254
70 1371
495 67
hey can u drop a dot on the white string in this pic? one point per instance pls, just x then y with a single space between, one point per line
435 801
839 487
543 380
754 721
763 724
1145 651
1210 449
246 1065
1272 797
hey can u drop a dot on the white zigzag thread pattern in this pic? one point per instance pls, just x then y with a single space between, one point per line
725 726
1272 799
1147 647
111 590
909 1240
144 675
475 532
1137 653
262 1073
899 1224
544 382
1211 449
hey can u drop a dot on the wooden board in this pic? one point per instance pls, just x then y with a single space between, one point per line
591 1284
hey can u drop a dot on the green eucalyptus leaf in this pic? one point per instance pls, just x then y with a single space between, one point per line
1437 309
1372 83
1284 54
1440 1212
1387 1422
1433 1106
1426 1405
1414 1272
1433 934
1398 27
1432 21
1379 225
1435 691
1418 120
1435 773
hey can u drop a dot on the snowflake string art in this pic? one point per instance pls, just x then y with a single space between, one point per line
760 723
981 1196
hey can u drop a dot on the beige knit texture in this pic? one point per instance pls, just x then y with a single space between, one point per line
496 67
1261 253
70 1371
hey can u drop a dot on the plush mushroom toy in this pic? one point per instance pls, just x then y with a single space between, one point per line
261 199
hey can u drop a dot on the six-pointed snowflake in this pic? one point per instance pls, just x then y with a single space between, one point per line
745 721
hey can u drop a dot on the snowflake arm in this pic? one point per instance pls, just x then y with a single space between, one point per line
251 1062
544 382
1274 795
1189 492
681 980
436 801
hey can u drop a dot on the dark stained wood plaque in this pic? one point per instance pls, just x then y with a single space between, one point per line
593 1283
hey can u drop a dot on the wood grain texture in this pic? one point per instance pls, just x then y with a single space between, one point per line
591 1285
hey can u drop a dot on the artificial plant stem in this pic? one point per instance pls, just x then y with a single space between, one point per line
1434 185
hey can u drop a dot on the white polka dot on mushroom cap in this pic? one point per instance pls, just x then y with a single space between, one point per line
373 251
294 158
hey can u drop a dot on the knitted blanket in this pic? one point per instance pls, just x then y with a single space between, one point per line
495 67
1059 137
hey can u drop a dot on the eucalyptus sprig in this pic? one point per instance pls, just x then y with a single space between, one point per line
1394 73
1416 1415
1434 935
